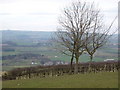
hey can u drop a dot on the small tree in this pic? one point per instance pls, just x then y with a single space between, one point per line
97 36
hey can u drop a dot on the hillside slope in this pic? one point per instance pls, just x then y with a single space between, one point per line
91 80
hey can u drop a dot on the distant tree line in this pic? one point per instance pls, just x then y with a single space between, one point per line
8 49
23 56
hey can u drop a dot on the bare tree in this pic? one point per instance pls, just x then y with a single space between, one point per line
65 43
76 24
97 37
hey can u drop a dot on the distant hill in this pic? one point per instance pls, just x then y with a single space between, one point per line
25 37
34 36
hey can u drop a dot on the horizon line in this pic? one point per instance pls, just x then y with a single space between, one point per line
30 30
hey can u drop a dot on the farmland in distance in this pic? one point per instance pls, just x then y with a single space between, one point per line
31 48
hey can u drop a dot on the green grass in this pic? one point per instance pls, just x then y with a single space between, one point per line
110 50
91 80
8 68
9 53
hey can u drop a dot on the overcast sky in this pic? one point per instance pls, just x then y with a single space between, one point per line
42 15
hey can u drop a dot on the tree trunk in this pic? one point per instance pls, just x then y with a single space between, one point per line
91 57
76 66
71 65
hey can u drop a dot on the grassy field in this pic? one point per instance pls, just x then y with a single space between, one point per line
91 80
